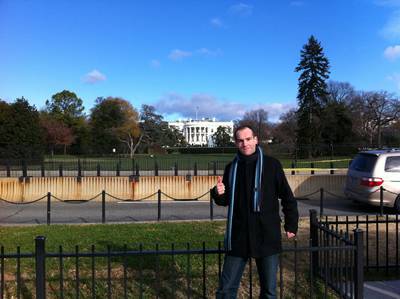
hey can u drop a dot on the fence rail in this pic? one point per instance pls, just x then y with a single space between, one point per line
165 273
145 167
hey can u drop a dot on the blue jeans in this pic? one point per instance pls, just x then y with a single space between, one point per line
267 268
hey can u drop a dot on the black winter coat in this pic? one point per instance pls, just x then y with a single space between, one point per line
258 234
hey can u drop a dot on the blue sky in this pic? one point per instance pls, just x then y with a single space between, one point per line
219 58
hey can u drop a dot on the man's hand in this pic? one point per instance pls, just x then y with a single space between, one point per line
290 235
220 187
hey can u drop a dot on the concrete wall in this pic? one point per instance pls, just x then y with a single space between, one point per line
69 188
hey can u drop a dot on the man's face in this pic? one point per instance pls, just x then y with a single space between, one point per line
246 142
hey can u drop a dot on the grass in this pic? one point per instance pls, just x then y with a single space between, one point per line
171 279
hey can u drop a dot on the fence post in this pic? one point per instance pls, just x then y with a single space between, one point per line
211 206
155 168
321 202
381 200
60 170
359 264
215 168
40 265
195 169
137 170
312 167
79 168
103 206
118 168
24 169
176 169
331 166
98 169
8 170
293 166
314 240
158 205
42 170
48 208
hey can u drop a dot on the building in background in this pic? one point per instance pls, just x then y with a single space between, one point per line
200 132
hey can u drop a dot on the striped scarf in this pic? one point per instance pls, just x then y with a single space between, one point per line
256 194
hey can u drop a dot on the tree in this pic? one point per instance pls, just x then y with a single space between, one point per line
257 119
382 109
336 124
56 132
340 92
65 106
222 137
21 136
312 93
156 132
285 131
114 123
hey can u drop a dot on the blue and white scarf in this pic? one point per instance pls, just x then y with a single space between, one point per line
256 195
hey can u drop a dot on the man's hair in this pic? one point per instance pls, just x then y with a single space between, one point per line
241 127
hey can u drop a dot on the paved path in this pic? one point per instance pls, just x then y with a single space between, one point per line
90 212
382 289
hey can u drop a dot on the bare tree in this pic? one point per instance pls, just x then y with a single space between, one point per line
340 92
372 112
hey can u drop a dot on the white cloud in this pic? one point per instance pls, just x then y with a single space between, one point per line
392 28
177 54
210 106
94 77
217 22
208 52
241 9
395 77
392 52
154 63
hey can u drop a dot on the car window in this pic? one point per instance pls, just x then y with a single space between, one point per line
363 162
392 164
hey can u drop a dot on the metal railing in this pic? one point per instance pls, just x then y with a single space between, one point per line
146 167
172 273
159 195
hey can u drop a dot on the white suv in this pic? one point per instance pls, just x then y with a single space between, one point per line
370 170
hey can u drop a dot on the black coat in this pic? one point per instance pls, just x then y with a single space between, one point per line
258 234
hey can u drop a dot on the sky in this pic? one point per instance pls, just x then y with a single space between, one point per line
210 58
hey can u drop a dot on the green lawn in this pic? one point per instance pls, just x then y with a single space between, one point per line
113 234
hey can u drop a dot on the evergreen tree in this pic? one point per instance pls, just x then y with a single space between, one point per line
312 94
21 136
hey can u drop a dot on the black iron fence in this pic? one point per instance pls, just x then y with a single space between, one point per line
145 167
307 271
343 273
381 240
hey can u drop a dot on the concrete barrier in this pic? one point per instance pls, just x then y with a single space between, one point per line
176 187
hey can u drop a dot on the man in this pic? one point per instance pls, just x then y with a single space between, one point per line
251 186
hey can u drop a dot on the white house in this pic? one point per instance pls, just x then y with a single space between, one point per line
199 132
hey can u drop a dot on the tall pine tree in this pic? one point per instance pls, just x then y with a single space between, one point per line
312 94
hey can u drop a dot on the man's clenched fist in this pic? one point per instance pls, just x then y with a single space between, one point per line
220 187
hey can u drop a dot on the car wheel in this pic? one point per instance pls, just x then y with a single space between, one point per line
397 204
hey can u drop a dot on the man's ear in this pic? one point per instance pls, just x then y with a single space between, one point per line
256 138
